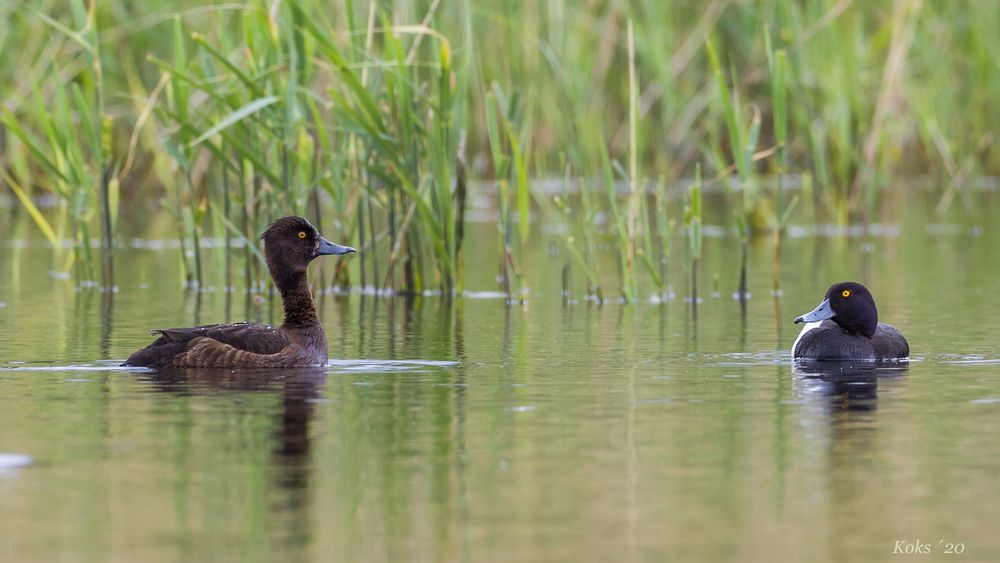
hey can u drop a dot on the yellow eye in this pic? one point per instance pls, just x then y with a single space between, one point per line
845 293
302 234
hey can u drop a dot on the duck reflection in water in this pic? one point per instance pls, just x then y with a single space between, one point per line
299 388
844 385
840 432
291 462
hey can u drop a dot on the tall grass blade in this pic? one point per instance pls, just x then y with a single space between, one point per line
235 117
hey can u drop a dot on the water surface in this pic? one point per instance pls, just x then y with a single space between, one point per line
472 430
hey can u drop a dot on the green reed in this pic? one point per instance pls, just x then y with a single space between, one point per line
778 64
743 142
692 229
64 132
255 116
510 166
635 198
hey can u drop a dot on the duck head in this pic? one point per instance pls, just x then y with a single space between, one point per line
850 305
291 243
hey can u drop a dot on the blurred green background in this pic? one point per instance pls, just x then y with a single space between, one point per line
382 120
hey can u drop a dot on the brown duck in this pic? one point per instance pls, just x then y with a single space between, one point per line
290 244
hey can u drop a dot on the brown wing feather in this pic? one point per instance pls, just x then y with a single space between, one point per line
252 338
210 353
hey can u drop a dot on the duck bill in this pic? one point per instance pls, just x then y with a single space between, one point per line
326 247
818 314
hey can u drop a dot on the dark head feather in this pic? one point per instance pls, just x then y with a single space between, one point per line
854 307
290 244
290 225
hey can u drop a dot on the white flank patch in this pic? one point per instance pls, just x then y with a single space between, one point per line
805 329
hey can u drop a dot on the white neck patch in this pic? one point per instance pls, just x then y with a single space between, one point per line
805 329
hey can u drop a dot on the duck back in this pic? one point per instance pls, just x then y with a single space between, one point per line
889 344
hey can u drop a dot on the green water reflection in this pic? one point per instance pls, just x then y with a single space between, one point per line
470 430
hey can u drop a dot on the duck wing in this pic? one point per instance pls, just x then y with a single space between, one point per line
889 344
253 338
